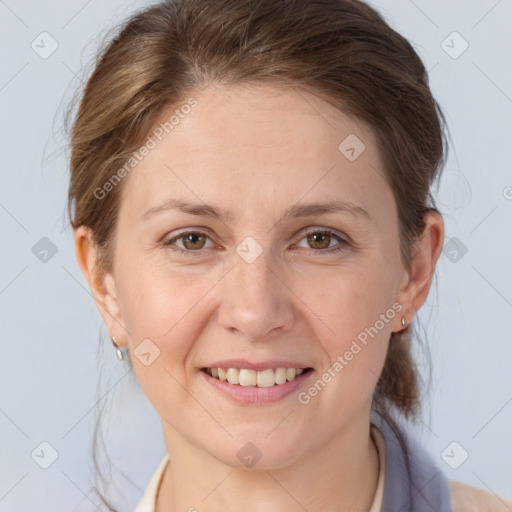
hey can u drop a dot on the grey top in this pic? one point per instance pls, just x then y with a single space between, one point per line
423 488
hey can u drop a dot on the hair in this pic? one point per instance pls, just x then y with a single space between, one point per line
340 50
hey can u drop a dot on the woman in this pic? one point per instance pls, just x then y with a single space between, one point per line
250 197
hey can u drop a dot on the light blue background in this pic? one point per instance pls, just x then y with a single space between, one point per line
50 326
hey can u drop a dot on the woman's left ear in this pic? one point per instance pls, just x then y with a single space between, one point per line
426 252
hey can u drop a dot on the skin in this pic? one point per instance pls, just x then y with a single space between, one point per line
256 151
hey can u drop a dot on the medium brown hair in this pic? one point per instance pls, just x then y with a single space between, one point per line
340 50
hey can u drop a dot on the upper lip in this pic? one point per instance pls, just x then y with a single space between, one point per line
263 365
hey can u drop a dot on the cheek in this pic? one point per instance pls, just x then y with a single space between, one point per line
355 317
160 312
172 317
350 300
158 302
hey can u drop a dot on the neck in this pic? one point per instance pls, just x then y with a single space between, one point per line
341 474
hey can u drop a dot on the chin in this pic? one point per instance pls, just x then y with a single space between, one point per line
257 450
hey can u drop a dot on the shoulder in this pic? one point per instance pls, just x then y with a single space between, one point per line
465 498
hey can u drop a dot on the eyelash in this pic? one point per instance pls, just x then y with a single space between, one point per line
341 246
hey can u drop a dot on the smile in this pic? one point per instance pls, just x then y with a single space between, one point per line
256 387
262 379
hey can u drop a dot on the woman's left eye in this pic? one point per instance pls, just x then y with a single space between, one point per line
322 239
195 241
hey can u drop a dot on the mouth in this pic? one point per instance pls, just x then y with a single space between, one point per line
251 387
245 377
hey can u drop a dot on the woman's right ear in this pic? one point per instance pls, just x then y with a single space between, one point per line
101 284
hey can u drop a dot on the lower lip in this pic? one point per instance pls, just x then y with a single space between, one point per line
253 395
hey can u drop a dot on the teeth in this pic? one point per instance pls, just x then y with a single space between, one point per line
280 374
290 373
261 379
233 376
266 378
247 377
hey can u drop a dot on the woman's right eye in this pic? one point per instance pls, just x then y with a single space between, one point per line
193 242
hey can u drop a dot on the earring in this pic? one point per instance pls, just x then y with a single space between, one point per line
403 323
119 352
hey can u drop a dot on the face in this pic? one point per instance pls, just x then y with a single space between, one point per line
219 257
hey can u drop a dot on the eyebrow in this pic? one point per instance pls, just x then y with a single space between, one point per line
295 211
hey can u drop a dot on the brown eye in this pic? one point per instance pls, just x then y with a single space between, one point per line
193 240
319 240
190 242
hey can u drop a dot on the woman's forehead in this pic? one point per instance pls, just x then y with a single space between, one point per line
268 116
229 145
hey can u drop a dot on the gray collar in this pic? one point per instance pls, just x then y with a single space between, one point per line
413 482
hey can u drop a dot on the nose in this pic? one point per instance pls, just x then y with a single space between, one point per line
256 300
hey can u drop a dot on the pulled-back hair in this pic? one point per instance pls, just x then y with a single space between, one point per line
340 50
